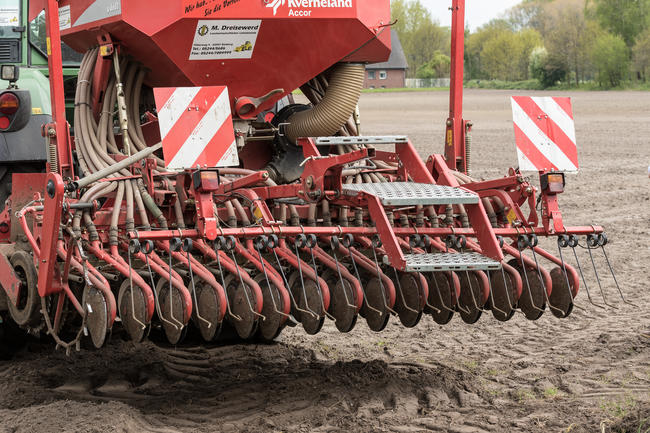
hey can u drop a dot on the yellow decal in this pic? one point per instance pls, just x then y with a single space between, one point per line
49 46
450 137
37 110
512 216
257 213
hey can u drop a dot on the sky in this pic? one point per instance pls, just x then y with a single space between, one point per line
478 12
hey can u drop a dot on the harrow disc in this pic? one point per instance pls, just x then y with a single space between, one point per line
171 306
503 300
28 311
208 308
133 311
410 303
243 306
271 326
312 323
562 294
97 319
376 297
343 305
442 296
471 296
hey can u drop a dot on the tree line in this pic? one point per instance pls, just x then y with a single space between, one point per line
552 41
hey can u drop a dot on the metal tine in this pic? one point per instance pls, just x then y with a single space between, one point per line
471 292
260 243
334 244
523 242
505 283
401 293
231 243
220 242
602 241
376 243
146 249
533 242
186 246
133 248
435 282
301 242
451 241
573 243
592 241
312 242
171 287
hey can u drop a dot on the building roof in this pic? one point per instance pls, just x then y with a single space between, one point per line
397 59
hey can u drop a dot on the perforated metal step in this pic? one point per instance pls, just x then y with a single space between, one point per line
409 193
448 262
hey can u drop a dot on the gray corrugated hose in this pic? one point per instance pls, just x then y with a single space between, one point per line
338 104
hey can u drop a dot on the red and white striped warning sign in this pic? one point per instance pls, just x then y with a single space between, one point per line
196 127
545 134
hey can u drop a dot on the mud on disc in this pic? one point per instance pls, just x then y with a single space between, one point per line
133 311
376 297
408 305
272 324
97 319
442 296
471 294
561 299
243 306
208 308
503 296
171 308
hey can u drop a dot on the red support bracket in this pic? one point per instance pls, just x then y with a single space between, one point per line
9 280
53 208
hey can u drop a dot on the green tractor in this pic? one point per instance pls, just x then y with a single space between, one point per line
25 107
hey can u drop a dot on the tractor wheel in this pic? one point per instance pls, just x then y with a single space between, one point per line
28 311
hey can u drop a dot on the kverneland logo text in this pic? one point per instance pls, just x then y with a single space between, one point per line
306 4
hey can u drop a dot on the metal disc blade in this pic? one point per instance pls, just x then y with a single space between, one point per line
442 296
469 305
312 323
409 303
377 317
343 306
171 306
97 319
502 299
271 326
133 311
208 308
533 300
562 294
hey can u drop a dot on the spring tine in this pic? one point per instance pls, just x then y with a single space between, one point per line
381 283
611 270
171 304
600 286
223 284
142 325
268 282
399 289
584 282
304 292
356 272
155 295
320 290
243 287
505 284
471 291
338 270
196 302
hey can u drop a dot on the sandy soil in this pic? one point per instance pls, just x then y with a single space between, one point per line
588 373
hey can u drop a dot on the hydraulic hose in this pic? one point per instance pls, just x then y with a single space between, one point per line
336 107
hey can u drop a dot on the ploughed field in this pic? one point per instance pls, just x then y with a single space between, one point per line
586 373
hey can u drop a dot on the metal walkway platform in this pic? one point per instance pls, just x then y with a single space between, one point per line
408 193
449 262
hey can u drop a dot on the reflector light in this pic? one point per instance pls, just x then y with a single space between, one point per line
9 104
4 122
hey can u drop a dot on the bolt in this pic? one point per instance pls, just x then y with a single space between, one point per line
51 132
